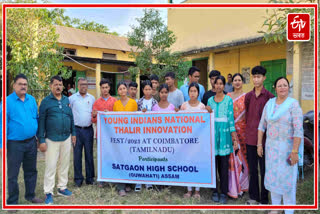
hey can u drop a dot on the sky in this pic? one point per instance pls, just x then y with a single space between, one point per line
118 20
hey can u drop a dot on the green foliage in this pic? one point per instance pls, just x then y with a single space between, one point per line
59 18
32 46
275 24
152 41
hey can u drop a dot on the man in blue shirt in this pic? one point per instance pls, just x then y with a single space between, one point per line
81 104
22 125
56 132
194 76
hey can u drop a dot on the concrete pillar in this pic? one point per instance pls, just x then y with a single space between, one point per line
98 79
211 67
297 71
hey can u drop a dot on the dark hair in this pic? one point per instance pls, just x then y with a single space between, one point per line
192 70
170 74
145 83
194 84
20 76
238 74
214 73
133 84
105 81
154 77
55 78
162 86
258 70
121 83
80 79
230 75
275 82
220 78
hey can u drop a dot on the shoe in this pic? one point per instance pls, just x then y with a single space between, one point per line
215 197
65 192
77 185
138 188
49 199
149 187
223 199
122 193
36 201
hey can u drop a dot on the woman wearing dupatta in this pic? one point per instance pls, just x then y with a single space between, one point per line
282 118
238 166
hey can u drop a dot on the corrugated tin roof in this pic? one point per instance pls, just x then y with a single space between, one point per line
73 36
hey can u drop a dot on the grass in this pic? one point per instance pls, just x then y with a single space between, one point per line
93 195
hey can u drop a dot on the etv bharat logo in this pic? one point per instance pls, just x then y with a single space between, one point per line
298 27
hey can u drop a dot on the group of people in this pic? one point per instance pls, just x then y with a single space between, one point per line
247 133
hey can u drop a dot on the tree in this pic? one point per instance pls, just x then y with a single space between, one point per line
275 23
32 46
59 18
151 41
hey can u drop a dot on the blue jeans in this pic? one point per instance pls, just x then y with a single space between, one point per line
24 152
84 140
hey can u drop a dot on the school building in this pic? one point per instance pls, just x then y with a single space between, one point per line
94 56
227 39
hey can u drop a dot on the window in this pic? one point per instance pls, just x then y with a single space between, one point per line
109 56
68 51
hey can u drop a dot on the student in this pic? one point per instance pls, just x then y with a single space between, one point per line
133 90
163 104
146 103
255 101
213 75
194 76
104 103
229 87
154 79
175 96
124 104
193 105
225 136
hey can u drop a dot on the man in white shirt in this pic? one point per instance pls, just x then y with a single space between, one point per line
81 104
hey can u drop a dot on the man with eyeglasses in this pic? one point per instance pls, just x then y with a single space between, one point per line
81 104
22 125
56 133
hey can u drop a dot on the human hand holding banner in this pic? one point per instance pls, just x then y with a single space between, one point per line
161 148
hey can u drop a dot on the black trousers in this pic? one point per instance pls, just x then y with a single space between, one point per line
253 161
25 153
84 141
222 167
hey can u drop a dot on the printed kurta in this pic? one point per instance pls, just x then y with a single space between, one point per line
279 176
224 125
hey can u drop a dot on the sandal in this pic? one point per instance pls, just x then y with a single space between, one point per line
188 194
138 188
128 189
251 202
122 193
149 187
196 195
